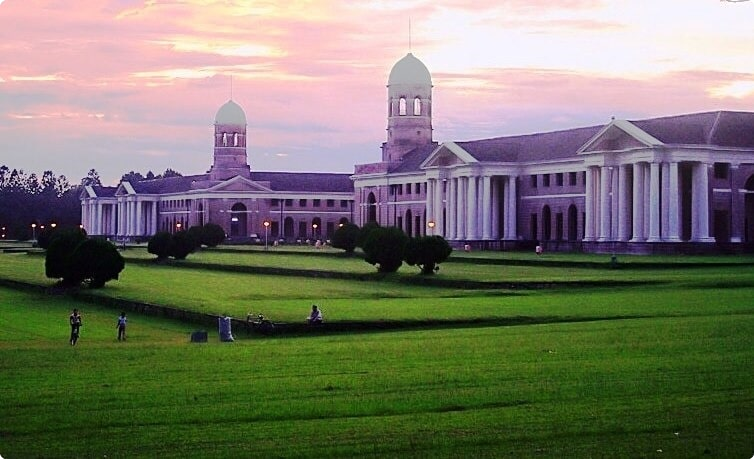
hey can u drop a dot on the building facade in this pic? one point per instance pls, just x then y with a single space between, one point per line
250 206
673 184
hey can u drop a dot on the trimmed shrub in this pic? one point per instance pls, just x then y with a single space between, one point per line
427 252
45 236
364 233
212 235
385 248
345 237
181 245
195 234
95 261
159 245
59 253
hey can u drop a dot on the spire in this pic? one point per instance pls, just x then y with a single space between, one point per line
231 87
409 34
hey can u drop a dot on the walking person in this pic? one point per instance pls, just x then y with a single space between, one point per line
121 326
75 321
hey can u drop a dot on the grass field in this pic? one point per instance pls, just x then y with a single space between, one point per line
663 369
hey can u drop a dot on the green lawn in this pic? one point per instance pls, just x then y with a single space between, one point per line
612 388
664 365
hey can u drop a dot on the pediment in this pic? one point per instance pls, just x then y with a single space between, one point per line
124 188
619 135
448 154
239 183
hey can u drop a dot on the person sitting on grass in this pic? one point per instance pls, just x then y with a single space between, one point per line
315 318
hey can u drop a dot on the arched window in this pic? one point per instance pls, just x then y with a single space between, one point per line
238 220
546 224
417 106
235 140
402 106
409 229
225 139
371 209
288 228
573 223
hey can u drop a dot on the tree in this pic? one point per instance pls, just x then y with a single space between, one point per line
427 252
195 234
132 177
91 179
385 248
364 233
181 245
58 259
171 173
345 237
96 261
159 245
212 235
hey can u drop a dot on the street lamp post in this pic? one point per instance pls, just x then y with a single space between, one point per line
178 226
314 231
34 232
431 225
266 232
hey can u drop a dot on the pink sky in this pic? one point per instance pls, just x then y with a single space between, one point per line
120 85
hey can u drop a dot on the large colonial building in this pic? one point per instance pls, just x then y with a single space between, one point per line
680 183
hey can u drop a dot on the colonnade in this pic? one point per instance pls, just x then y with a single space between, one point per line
122 218
642 202
468 207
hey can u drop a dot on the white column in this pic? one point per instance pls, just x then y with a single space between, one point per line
624 213
495 211
431 205
664 200
452 185
471 217
737 208
638 203
654 202
113 219
486 208
131 218
439 221
614 204
673 203
139 226
512 208
604 204
700 204
461 216
589 205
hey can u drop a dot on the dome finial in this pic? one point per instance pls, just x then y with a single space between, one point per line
409 34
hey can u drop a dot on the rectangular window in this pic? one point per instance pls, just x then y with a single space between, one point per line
534 181
721 170
274 202
316 202
289 203
572 178
418 188
559 179
343 203
400 189
330 203
583 178
546 180
302 202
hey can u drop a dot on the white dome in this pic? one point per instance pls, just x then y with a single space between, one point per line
410 70
230 113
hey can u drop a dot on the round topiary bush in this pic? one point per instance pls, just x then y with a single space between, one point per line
159 245
345 237
181 245
59 254
427 252
385 248
96 261
212 235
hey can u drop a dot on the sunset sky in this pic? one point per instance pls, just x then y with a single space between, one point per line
121 85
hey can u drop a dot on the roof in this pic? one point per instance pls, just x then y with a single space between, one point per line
279 181
306 181
721 128
104 191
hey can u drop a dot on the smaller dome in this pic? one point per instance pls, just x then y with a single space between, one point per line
230 113
410 70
